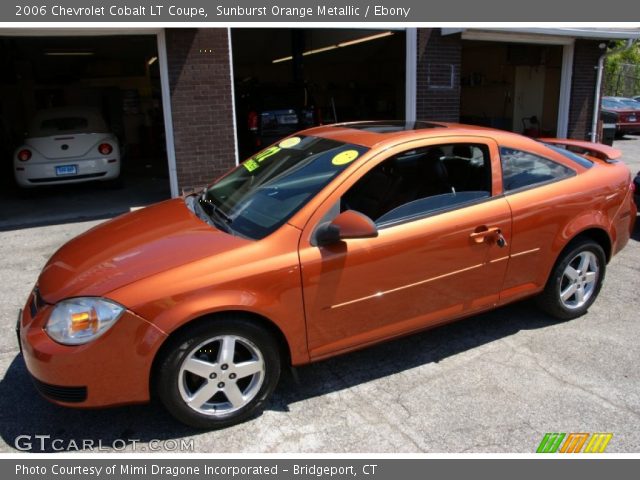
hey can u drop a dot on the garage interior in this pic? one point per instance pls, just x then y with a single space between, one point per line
511 86
119 75
333 75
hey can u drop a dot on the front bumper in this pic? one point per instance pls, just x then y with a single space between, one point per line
112 370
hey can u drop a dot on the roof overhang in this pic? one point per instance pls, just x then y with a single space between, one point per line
548 36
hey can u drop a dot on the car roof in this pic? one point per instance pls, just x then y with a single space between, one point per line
377 133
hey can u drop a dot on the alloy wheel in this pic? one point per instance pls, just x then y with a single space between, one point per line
579 280
221 375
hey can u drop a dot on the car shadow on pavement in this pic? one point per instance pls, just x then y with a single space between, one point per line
627 137
24 412
61 204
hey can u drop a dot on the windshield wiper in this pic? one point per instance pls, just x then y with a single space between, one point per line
215 212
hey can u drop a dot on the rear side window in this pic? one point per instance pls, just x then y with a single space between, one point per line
523 169
64 124
579 159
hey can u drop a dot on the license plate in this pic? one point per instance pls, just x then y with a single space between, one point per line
632 119
288 119
66 170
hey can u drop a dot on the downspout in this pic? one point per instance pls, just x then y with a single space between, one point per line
596 100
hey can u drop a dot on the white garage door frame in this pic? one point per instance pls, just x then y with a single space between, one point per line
411 75
566 42
162 64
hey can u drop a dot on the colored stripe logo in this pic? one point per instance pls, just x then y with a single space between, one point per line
574 443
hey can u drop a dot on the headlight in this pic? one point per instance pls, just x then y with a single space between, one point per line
80 320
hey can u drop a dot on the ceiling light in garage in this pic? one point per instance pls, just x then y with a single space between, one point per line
318 50
152 60
365 39
339 45
283 59
69 53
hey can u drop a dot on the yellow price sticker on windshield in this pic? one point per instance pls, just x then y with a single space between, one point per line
345 157
290 142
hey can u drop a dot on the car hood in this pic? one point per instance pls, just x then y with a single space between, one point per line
131 247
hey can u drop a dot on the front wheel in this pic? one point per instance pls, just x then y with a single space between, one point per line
218 373
575 281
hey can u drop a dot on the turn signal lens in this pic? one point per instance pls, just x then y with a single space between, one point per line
84 321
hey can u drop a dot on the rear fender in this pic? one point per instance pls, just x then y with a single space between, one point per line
586 221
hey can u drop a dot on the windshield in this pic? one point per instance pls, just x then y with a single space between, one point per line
631 103
607 103
267 189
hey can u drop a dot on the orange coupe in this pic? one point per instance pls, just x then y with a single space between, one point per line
331 240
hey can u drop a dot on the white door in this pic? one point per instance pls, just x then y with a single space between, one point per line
529 94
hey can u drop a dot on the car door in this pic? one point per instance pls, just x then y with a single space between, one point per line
433 261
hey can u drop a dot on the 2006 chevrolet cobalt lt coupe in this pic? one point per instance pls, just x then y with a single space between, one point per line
336 238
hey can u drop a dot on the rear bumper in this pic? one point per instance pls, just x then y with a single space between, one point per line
628 127
112 370
31 175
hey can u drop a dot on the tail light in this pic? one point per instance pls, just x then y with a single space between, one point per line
24 155
105 149
252 121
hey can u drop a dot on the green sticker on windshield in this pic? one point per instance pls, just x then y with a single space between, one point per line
254 162
266 153
290 142
345 157
250 165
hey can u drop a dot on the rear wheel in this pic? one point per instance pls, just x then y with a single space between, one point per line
218 373
575 280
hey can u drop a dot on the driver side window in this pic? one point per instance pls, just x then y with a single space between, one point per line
419 182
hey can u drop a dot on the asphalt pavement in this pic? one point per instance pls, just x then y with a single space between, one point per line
495 382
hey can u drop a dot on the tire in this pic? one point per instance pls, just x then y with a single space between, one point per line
228 388
575 280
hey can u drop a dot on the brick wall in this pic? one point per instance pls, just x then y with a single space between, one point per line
583 84
437 97
201 104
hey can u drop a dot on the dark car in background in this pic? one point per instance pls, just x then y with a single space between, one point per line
626 111
268 113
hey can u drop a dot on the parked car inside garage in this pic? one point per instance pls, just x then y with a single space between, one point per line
67 145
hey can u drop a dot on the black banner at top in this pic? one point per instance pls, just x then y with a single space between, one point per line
330 11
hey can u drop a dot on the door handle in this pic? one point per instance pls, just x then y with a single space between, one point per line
482 233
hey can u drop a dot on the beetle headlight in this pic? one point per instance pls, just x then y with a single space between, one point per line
81 320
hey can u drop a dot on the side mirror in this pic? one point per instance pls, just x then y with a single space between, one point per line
349 224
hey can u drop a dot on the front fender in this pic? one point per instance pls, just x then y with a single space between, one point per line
170 315
262 278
